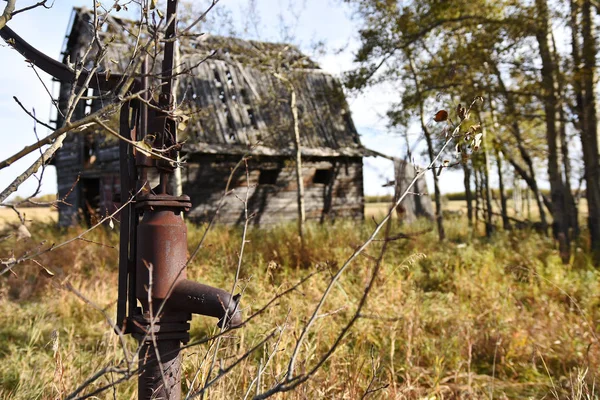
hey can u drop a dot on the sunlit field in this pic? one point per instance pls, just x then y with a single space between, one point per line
469 318
31 214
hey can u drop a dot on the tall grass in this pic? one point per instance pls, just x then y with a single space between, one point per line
469 318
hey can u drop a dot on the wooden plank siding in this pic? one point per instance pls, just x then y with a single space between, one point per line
270 203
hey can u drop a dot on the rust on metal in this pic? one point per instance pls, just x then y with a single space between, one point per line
162 253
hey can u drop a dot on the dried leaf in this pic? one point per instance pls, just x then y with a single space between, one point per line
462 112
144 147
475 128
181 119
441 116
477 141
23 232
111 224
47 272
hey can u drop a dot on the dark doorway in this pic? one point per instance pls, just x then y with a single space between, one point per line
268 176
90 200
323 176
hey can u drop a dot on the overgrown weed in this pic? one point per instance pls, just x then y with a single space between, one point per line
468 318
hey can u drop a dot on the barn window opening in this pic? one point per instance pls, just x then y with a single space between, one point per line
217 78
268 176
323 176
252 118
230 125
245 97
90 204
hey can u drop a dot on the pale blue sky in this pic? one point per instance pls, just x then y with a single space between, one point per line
308 21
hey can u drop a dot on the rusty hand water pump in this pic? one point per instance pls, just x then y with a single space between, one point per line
155 299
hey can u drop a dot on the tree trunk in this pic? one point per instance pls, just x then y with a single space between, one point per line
557 189
529 174
570 206
438 195
489 227
299 179
477 195
468 193
541 199
503 200
298 148
589 138
178 181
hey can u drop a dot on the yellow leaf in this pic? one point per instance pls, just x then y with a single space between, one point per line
144 148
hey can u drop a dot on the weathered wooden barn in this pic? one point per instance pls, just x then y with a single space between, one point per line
237 106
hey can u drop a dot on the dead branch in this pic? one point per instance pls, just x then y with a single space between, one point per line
8 12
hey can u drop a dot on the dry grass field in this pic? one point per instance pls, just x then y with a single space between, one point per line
471 318
31 214
378 210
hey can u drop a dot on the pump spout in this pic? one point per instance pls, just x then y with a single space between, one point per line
162 252
197 298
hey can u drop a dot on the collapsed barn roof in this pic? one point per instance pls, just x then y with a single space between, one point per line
237 94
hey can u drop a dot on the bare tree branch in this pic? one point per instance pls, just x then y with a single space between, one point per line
7 13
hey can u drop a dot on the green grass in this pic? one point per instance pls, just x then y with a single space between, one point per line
468 318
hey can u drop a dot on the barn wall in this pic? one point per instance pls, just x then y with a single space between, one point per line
82 166
271 200
68 170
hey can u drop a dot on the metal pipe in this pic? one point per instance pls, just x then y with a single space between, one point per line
162 288
160 380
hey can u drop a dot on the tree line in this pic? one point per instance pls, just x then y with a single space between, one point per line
534 62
